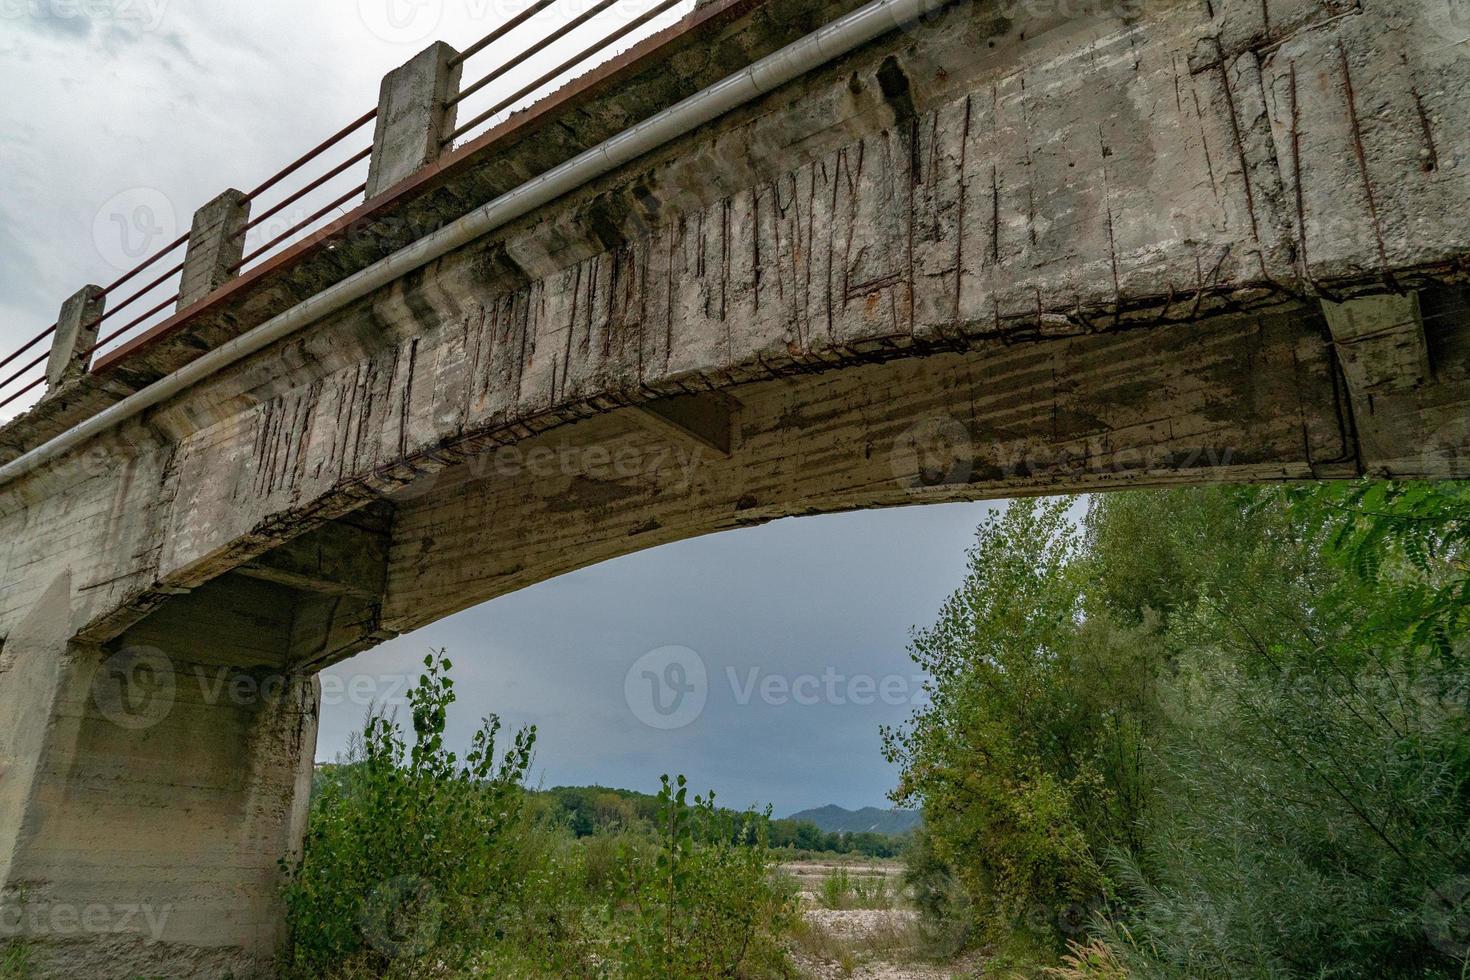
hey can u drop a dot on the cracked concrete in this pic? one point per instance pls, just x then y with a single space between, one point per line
995 253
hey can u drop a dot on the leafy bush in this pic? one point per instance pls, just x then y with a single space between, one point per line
409 849
1313 783
707 905
842 889
417 864
1231 723
946 916
1027 757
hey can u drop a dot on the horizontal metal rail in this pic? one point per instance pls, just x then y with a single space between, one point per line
120 331
299 226
315 152
31 343
123 304
138 269
21 373
24 391
499 32
341 168
564 67
535 49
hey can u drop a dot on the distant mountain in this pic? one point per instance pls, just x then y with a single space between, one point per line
833 819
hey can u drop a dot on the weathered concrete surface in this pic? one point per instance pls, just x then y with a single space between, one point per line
415 117
216 245
152 786
76 332
995 253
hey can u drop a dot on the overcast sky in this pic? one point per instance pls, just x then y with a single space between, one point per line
123 116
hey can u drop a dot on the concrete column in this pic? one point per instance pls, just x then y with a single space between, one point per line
1384 354
414 116
76 332
216 245
148 795
1380 342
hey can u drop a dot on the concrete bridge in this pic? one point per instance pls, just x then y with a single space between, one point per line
1001 249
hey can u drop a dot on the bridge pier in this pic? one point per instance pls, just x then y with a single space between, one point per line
150 789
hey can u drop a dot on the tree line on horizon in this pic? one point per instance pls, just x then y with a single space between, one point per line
588 811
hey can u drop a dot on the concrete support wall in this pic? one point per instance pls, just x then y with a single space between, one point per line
151 788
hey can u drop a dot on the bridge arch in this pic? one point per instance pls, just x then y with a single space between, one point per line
982 257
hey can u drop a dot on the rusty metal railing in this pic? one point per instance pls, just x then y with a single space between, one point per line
277 226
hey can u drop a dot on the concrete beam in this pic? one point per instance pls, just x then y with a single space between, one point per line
1383 351
1380 342
76 332
414 116
216 245
336 559
705 419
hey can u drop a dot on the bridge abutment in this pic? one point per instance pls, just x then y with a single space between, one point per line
152 787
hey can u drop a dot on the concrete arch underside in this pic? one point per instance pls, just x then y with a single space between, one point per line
1250 398
986 256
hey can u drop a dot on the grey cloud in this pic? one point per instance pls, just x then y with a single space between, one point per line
44 20
20 280
121 21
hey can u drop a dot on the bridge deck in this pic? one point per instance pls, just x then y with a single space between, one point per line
718 38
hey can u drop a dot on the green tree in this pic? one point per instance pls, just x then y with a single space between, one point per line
1238 716
1310 805
1027 757
407 847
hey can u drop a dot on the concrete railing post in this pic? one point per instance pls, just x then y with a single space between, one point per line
76 332
415 117
216 245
